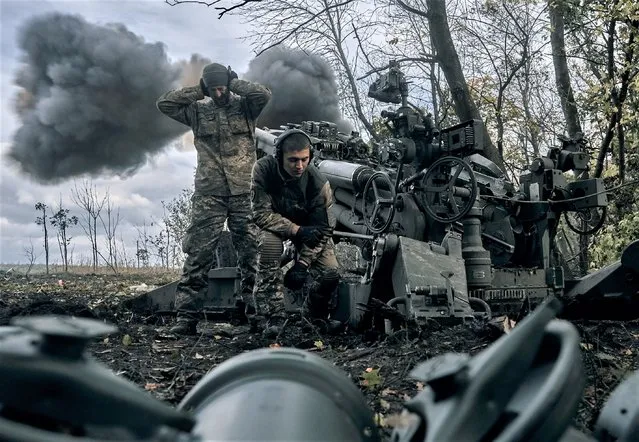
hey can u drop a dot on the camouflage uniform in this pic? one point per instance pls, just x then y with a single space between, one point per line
223 138
279 204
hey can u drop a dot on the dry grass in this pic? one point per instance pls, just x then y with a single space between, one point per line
56 269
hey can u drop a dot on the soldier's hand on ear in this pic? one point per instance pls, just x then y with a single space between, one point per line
232 74
203 87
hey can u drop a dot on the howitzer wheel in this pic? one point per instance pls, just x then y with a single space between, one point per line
373 221
586 221
442 193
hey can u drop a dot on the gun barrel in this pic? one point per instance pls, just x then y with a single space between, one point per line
345 175
265 140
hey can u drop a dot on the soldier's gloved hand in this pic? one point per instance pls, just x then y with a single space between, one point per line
296 276
309 235
203 87
232 74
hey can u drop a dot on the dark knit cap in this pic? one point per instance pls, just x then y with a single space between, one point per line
215 75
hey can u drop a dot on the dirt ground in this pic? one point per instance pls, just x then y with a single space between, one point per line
167 366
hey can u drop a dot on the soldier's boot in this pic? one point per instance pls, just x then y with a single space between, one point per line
318 313
269 327
185 302
186 326
273 327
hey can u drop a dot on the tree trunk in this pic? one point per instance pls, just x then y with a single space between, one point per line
448 60
560 62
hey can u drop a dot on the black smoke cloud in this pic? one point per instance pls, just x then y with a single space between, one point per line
87 102
303 87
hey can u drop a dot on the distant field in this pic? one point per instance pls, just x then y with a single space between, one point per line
40 269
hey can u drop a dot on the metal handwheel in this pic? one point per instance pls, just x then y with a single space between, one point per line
378 222
443 195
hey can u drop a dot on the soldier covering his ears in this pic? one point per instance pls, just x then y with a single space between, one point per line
223 130
290 199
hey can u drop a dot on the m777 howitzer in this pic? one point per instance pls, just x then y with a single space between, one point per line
446 234
526 386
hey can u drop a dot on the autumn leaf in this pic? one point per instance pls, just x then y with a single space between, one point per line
150 386
126 340
370 378
275 345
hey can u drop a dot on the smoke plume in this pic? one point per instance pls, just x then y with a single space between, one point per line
303 87
87 102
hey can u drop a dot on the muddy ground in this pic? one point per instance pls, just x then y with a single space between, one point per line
167 366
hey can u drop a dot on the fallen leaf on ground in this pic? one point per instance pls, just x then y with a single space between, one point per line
126 340
370 378
380 420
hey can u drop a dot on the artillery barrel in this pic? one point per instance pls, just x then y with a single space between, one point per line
265 140
345 175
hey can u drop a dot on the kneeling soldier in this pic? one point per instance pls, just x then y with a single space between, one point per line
290 199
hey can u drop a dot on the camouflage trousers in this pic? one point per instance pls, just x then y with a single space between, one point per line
268 293
208 214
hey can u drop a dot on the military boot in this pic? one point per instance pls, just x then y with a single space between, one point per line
269 327
185 325
318 315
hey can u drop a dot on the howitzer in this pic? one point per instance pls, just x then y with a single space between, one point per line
446 234
525 386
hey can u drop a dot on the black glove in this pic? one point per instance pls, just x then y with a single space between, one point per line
309 235
203 87
296 276
232 75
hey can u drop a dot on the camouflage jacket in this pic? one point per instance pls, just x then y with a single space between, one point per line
223 135
280 203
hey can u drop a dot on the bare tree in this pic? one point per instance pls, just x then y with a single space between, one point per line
176 218
32 257
110 222
142 252
87 199
42 221
62 221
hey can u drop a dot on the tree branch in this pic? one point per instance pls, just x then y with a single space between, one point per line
301 25
223 9
411 9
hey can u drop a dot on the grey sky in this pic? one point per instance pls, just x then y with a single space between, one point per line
185 29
